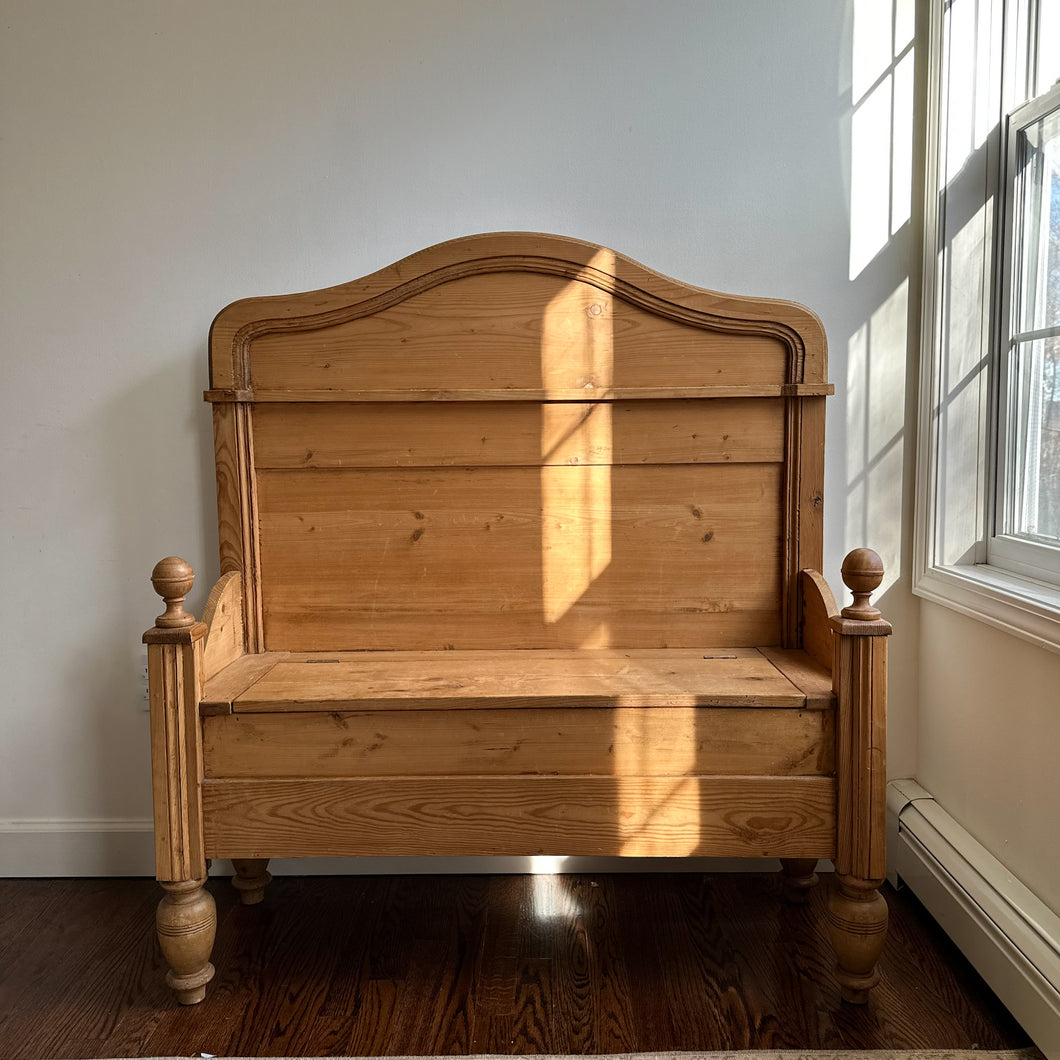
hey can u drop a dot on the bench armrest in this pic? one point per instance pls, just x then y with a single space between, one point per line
818 609
223 616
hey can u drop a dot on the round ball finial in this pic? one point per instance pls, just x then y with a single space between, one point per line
862 572
173 579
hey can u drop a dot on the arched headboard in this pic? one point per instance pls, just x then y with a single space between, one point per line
537 438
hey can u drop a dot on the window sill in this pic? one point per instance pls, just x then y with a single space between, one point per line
1021 606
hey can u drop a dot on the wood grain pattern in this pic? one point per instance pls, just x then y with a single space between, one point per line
559 557
176 753
237 514
522 679
493 434
861 737
457 815
511 330
624 741
231 485
593 623
806 505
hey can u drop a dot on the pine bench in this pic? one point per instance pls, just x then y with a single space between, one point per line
520 545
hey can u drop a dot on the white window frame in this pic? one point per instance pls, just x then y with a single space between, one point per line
1017 553
1014 597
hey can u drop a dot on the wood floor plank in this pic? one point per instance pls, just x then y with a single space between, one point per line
377 966
439 1002
373 1018
650 1014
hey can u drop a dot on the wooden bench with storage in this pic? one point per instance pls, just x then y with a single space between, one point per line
519 551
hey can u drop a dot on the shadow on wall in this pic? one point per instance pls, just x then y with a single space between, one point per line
881 350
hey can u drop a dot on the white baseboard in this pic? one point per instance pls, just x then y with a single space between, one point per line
125 847
119 846
1005 931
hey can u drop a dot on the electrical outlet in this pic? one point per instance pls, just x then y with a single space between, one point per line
145 691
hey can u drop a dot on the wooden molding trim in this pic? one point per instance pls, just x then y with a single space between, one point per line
237 326
794 390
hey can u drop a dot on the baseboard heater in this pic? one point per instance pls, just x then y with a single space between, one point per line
1010 937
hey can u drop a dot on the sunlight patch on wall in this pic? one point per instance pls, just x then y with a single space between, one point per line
963 313
577 339
870 183
871 44
876 362
972 73
881 127
902 163
963 366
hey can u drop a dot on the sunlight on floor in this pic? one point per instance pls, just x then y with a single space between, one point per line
549 897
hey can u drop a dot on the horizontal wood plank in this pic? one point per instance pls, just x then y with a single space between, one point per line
512 330
221 689
466 816
520 679
623 741
521 557
493 434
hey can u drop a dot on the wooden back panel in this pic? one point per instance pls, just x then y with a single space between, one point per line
518 441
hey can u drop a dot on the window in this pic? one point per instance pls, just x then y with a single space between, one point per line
1027 502
988 474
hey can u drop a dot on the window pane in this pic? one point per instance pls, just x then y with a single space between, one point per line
1036 504
1039 236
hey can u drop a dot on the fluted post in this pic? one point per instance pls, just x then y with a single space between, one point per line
857 913
186 919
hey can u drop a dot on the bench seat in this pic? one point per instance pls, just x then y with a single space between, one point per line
417 680
607 751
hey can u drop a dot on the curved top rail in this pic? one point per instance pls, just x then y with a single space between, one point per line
239 324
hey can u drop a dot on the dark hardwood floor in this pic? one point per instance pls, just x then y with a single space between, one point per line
459 964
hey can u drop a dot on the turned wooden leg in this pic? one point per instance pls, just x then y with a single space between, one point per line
799 879
857 922
251 879
187 922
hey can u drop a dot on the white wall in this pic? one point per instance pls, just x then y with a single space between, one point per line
161 159
989 730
